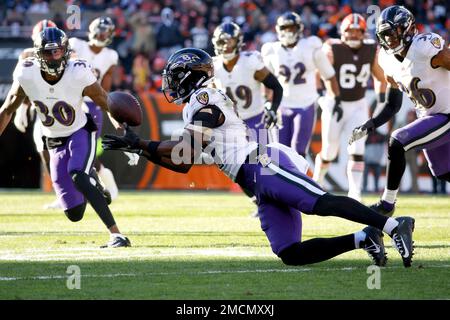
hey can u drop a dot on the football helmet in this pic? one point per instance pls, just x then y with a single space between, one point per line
101 32
353 21
289 28
41 25
52 50
228 40
186 70
395 29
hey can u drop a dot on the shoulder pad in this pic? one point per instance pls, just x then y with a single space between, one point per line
315 42
428 44
333 41
267 48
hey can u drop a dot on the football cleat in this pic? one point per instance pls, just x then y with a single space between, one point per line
106 194
374 246
117 242
384 208
402 239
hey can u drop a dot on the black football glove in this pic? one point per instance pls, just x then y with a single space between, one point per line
128 142
338 108
270 117
361 131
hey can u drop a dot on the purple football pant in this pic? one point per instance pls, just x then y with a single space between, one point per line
282 191
257 132
77 154
97 115
432 134
297 127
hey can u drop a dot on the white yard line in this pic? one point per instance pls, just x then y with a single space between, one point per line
208 272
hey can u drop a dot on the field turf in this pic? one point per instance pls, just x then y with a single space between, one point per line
197 245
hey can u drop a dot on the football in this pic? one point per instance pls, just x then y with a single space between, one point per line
124 107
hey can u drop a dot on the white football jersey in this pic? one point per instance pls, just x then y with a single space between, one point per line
427 87
295 69
101 62
229 141
240 84
58 105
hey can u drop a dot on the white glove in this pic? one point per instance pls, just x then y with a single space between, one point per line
133 158
21 118
361 131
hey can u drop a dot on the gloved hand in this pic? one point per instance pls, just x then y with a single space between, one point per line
128 142
361 131
21 118
338 108
270 117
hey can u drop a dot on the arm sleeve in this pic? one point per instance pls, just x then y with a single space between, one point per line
272 83
393 105
213 118
324 65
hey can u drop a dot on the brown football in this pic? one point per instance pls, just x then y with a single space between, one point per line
124 107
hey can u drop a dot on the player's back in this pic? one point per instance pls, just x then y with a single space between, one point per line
427 87
353 67
59 104
229 142
295 68
240 84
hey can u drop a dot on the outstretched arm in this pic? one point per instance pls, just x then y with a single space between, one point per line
442 59
179 155
14 99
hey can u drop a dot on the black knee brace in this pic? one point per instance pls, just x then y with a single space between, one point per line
357 157
445 177
81 180
76 213
395 150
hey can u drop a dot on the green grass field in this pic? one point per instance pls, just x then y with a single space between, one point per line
204 246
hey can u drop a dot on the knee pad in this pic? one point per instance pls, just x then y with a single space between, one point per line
76 213
395 149
445 177
292 255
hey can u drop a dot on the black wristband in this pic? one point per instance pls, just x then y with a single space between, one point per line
152 147
381 97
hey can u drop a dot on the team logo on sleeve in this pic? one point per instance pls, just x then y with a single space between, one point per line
203 97
27 63
436 42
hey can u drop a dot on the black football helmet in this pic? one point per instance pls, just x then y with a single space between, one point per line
52 50
101 32
395 29
186 70
284 22
226 35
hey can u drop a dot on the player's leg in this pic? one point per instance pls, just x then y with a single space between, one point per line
355 164
303 126
106 176
285 132
331 137
82 147
283 180
428 133
71 200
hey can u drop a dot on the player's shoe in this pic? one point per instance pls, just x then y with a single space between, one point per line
100 187
402 239
384 207
53 205
117 241
374 246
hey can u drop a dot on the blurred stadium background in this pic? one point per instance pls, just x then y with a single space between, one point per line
147 32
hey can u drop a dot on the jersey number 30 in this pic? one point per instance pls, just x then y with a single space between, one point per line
61 111
348 79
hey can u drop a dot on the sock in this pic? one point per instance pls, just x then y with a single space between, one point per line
320 169
107 178
390 225
389 195
360 236
355 176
